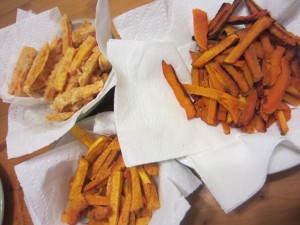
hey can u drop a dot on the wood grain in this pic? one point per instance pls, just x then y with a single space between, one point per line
277 203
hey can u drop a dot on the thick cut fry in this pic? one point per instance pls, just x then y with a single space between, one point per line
125 210
66 27
88 68
257 28
232 104
82 54
59 117
143 175
137 198
76 96
74 209
276 92
151 195
82 135
224 12
248 76
200 28
119 164
266 44
97 181
215 50
78 179
97 200
21 70
215 80
116 188
62 71
253 63
180 93
96 148
282 122
37 67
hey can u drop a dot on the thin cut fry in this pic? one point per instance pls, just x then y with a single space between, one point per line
96 148
97 200
253 63
137 199
180 93
116 187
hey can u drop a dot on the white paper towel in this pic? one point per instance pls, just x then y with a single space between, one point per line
45 181
233 167
26 119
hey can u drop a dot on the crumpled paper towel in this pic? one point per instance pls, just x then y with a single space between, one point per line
45 180
28 129
234 167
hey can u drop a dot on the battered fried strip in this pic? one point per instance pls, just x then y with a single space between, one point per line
256 29
62 71
75 95
21 70
50 91
88 68
59 117
36 68
180 93
200 28
226 12
83 53
66 27
215 50
85 30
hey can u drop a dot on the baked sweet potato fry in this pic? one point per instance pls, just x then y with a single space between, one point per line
257 28
247 19
181 95
200 28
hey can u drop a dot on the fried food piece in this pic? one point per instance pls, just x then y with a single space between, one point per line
59 117
76 97
66 27
88 68
104 64
62 71
55 53
115 197
257 28
179 91
85 30
36 69
82 135
215 50
82 54
21 70
200 28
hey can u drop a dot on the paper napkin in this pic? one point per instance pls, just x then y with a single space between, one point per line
45 181
234 167
28 129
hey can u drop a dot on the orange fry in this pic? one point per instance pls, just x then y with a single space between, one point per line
180 93
200 28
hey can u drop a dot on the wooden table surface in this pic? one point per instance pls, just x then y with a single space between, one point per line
277 203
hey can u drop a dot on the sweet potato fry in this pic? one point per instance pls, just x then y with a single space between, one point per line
226 128
97 147
137 198
116 188
257 28
37 67
119 164
215 50
221 18
143 221
143 175
82 135
97 180
97 200
125 210
248 76
66 27
21 70
251 103
151 196
200 28
152 169
276 92
232 104
275 66
180 93
98 213
78 179
291 99
247 19
282 122
253 63
74 209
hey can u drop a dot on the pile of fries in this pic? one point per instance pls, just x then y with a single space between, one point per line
245 78
105 191
69 72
